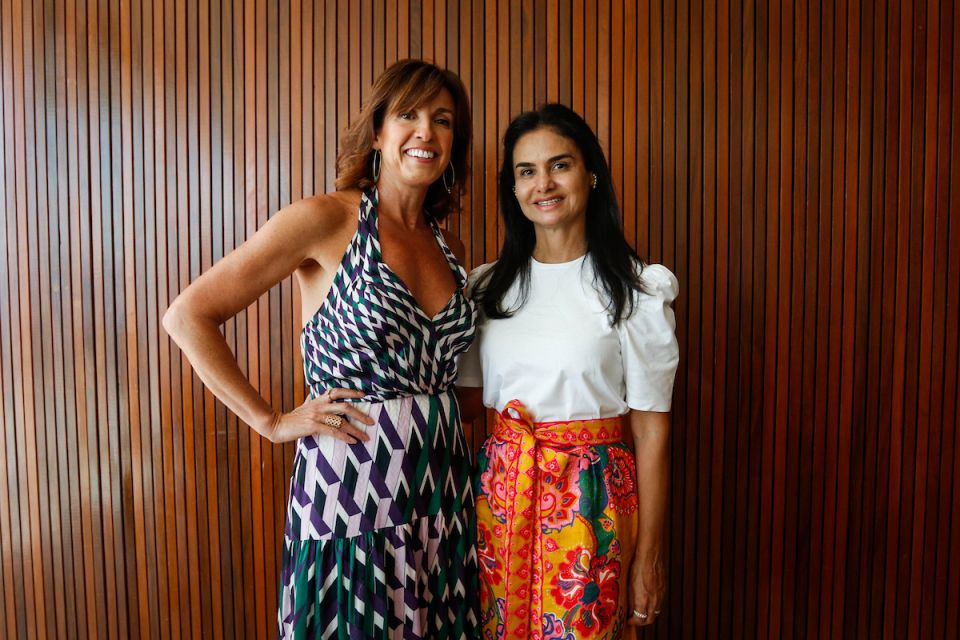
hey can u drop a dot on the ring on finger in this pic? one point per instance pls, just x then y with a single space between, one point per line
334 421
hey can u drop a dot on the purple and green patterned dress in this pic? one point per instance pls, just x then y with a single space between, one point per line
379 539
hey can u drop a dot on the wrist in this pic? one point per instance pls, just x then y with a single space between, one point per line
647 556
266 424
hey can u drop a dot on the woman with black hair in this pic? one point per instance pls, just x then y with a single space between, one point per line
575 350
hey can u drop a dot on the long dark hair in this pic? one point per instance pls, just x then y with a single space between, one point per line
616 265
406 85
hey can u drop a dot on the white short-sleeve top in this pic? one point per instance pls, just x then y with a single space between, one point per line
560 355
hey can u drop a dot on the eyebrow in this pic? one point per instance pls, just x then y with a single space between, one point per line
549 160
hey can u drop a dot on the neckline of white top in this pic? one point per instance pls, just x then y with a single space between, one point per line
557 265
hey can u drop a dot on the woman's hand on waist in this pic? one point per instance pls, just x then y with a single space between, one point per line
322 416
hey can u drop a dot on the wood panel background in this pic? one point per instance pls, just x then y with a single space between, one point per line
797 164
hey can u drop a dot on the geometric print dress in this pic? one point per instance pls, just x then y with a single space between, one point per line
379 539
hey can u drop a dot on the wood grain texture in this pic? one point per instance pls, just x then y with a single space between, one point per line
794 163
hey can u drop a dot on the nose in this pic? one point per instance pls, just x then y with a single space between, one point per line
544 181
425 129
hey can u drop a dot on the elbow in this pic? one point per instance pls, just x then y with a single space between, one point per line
173 320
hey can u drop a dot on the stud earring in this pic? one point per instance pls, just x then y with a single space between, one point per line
594 181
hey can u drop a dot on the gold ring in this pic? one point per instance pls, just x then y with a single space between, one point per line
334 421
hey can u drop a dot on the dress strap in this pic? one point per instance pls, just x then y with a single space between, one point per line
369 200
458 271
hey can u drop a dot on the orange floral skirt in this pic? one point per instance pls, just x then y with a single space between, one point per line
557 527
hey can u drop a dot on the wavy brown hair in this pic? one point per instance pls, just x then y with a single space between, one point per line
403 86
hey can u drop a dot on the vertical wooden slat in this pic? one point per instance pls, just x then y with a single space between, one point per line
770 27
925 351
783 31
35 306
708 613
690 550
889 449
590 46
735 445
615 157
760 88
747 439
146 277
9 507
933 600
822 48
23 362
834 209
948 553
579 57
173 516
804 309
7 499
951 386
46 267
42 347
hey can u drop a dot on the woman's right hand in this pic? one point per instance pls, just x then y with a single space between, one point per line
315 416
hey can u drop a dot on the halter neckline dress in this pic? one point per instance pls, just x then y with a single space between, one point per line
379 536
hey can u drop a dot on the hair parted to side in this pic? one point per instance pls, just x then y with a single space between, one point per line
616 265
406 85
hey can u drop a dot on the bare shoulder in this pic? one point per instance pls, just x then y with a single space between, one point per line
320 225
321 214
455 244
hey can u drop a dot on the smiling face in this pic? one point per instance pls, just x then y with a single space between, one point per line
416 144
552 183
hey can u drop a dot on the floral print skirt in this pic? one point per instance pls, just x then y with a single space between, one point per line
556 528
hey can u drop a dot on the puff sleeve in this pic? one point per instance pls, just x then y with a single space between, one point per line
648 342
469 367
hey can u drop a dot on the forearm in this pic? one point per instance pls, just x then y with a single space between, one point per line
651 443
216 365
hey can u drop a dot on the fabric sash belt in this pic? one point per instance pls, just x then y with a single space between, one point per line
543 451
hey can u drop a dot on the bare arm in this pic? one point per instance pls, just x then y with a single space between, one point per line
194 318
651 438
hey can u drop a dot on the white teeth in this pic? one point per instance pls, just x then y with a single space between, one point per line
547 203
420 153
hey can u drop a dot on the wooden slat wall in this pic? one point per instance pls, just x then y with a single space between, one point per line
796 164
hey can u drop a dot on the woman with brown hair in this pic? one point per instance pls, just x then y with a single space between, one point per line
379 538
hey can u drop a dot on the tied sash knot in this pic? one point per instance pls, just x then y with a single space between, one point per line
541 454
